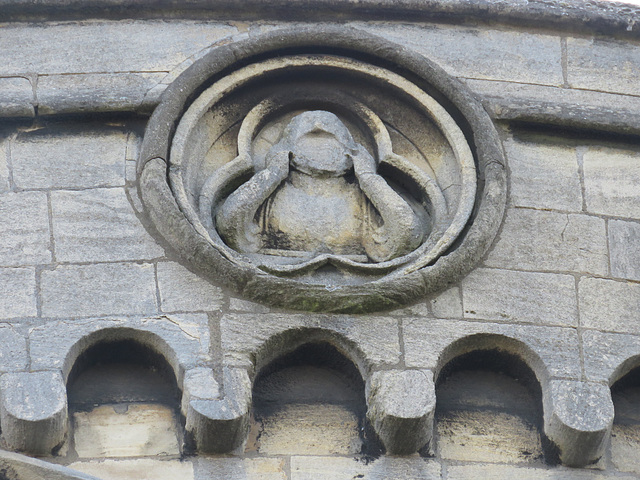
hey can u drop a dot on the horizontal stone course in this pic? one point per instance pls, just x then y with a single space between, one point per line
103 46
18 298
544 176
481 53
604 65
551 241
78 93
99 225
512 296
624 244
99 289
64 158
240 468
482 472
16 97
24 232
384 468
425 341
611 179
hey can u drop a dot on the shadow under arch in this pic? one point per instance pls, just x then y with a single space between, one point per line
123 380
493 385
624 385
308 396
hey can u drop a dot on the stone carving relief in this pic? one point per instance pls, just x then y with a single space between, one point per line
321 181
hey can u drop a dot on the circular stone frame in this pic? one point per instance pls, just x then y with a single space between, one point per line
247 280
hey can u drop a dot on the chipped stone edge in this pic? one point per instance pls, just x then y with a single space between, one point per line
390 291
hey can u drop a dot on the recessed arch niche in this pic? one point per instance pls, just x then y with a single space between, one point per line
124 400
625 432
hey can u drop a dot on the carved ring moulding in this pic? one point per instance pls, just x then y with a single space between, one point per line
320 181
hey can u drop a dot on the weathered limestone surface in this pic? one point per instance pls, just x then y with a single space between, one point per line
13 349
611 177
605 65
624 243
99 289
57 159
99 225
609 305
481 53
18 297
544 176
536 298
335 468
5 185
182 290
480 472
541 240
16 97
240 468
140 469
24 236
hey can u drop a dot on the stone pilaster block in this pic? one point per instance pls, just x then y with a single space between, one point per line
401 408
33 411
221 425
577 419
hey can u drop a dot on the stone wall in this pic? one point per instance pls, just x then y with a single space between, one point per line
558 288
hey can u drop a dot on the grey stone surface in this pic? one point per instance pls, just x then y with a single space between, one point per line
448 304
221 425
18 287
430 344
18 467
624 247
482 53
541 240
537 298
401 405
61 159
5 184
182 290
99 225
16 97
609 356
154 468
13 348
78 93
100 289
240 468
484 471
578 418
199 383
184 340
240 305
131 46
339 468
559 106
609 305
33 411
376 337
24 236
543 176
605 65
611 178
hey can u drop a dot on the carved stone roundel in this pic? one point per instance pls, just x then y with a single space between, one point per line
306 173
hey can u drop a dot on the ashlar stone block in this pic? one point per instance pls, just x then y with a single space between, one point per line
18 287
140 469
542 240
231 468
24 236
5 184
609 305
606 355
604 65
611 178
386 467
483 53
624 245
99 225
50 158
99 289
544 176
536 298
182 290
482 472
13 348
